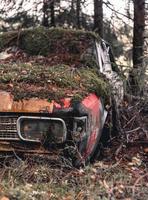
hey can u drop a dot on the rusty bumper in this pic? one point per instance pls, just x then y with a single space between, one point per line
34 148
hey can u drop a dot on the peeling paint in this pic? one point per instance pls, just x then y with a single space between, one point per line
7 104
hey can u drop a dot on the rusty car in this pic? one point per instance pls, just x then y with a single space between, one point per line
32 119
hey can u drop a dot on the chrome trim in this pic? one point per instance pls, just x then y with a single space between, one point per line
104 114
8 129
42 118
81 118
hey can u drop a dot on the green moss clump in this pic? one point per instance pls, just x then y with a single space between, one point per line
52 82
42 41
8 39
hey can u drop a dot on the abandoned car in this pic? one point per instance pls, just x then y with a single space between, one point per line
55 90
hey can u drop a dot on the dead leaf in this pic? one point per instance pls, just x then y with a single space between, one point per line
145 150
4 55
4 198
68 198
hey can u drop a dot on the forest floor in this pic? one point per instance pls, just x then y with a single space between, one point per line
121 172
122 177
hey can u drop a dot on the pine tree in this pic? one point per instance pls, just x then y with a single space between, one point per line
138 46
98 17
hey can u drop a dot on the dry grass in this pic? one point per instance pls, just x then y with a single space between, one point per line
112 178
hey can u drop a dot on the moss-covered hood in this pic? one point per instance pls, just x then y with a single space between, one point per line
50 65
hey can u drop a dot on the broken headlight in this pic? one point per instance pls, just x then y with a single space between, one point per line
40 129
79 128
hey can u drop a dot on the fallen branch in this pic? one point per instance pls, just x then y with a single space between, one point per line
119 149
129 121
137 142
131 131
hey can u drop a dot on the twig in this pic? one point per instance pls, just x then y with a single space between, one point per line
17 156
129 121
113 166
137 142
132 97
131 131
2 174
109 190
137 181
112 9
119 149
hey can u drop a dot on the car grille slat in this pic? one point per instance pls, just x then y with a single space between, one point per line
8 129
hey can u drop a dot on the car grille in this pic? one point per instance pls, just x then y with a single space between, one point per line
8 129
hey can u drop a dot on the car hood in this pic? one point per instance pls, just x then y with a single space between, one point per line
33 105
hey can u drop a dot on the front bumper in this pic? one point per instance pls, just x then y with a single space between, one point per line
67 155
6 146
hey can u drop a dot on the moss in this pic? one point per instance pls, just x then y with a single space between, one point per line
42 41
51 82
8 39
77 98
71 71
45 41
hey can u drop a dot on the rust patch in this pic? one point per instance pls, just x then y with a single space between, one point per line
7 104
6 101
33 149
32 105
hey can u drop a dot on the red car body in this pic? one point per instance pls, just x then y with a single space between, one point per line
83 124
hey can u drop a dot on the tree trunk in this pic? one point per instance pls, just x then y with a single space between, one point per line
98 17
138 34
138 44
45 14
78 11
52 13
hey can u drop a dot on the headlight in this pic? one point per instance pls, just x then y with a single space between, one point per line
79 128
39 129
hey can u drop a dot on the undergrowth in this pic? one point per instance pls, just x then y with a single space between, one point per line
37 179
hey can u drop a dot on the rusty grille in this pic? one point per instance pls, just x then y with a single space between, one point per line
8 129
